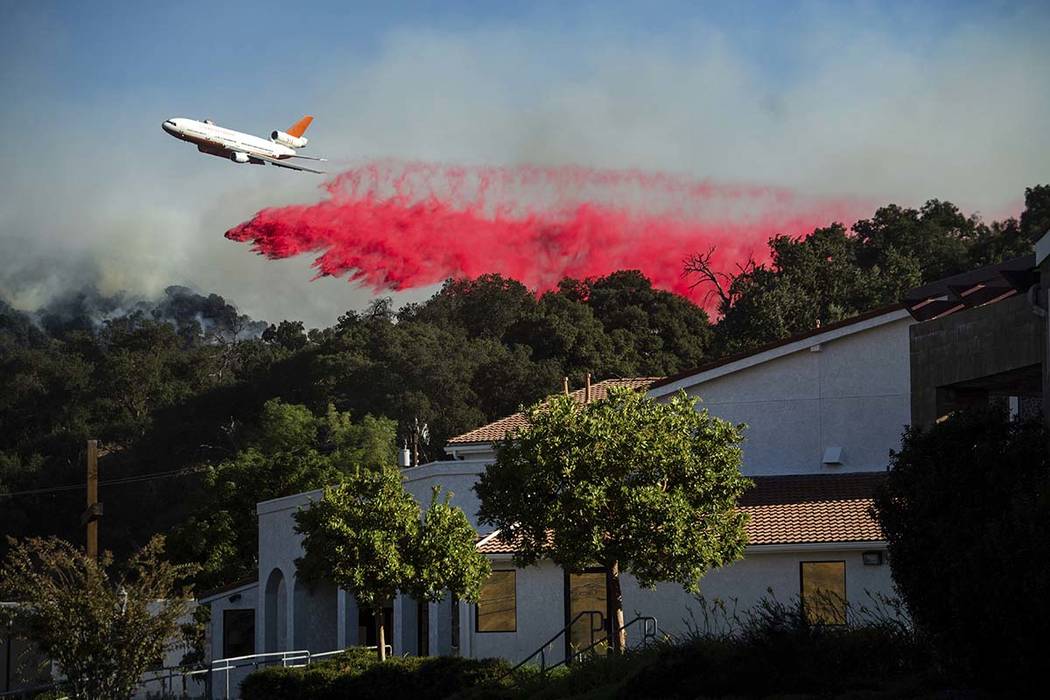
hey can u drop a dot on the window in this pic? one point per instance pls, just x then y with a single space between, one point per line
824 592
238 633
498 603
587 594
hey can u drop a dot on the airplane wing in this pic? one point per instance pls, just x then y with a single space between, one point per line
282 164
323 160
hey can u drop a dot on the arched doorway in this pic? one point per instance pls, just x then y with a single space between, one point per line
275 608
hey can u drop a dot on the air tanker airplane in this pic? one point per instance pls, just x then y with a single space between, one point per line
244 148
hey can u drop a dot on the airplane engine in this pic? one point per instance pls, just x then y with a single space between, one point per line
239 157
289 140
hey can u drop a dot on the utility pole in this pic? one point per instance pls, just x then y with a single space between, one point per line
94 508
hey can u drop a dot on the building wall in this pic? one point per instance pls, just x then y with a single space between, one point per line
969 345
541 597
291 615
540 591
851 392
246 597
455 477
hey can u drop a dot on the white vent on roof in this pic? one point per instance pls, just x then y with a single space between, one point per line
832 456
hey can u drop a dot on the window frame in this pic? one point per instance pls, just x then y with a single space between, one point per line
802 591
477 608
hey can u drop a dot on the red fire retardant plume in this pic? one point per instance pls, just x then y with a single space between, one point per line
397 225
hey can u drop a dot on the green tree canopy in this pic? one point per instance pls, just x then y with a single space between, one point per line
368 536
629 483
291 450
834 273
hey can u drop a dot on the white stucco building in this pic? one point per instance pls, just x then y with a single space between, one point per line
823 412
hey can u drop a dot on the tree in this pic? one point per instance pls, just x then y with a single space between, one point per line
632 484
832 274
104 629
808 282
966 510
291 450
1035 220
484 307
654 331
367 536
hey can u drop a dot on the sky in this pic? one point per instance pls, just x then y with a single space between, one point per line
887 102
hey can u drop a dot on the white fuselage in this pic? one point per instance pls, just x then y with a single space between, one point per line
219 141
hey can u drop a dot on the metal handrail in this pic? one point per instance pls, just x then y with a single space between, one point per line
289 659
324 654
542 651
165 676
649 632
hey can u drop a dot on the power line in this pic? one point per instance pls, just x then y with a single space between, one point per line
109 482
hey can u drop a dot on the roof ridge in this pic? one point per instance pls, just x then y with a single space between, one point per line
775 344
498 429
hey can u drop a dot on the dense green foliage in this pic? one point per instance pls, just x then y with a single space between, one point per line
290 450
181 383
355 674
833 273
369 537
161 393
772 649
966 510
629 483
103 628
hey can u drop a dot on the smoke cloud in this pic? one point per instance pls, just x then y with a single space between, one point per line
850 100
211 316
396 225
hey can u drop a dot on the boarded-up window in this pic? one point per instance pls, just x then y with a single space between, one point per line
498 604
824 592
587 594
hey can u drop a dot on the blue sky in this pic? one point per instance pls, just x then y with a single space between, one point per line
888 101
103 49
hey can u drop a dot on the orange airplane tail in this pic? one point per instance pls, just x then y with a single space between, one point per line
299 128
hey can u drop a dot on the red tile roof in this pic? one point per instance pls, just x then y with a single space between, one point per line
499 429
797 509
812 508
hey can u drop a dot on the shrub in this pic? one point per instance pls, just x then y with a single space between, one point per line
773 649
279 683
357 674
966 510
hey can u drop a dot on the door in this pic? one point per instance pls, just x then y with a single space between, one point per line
367 634
586 593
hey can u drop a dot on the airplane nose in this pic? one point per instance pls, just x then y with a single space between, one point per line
168 126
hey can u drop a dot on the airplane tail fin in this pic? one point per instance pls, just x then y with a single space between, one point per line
299 128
